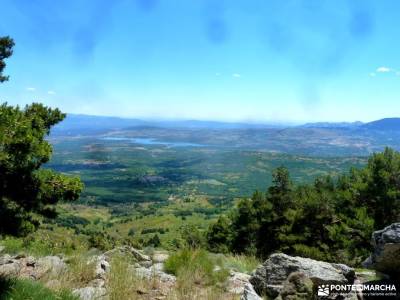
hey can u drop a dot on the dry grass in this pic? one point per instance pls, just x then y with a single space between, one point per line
190 291
80 272
123 283
242 263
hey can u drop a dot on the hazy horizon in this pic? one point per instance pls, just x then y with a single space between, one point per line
247 61
239 121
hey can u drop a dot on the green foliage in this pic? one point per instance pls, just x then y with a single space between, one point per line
381 191
219 235
26 190
12 245
192 236
14 289
154 241
100 240
327 220
45 242
6 45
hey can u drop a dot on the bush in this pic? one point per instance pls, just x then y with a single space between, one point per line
12 289
193 237
331 219
12 245
196 266
154 241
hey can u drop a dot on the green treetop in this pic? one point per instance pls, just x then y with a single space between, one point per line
28 192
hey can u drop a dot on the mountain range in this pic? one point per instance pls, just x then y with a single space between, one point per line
96 124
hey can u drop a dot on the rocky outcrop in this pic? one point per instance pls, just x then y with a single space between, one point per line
129 253
297 287
31 268
137 262
269 278
52 267
386 254
236 282
249 293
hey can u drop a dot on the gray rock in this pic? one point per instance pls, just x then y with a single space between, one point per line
5 259
146 263
249 293
236 282
10 268
159 267
128 251
102 267
269 277
138 255
143 272
386 255
148 273
49 265
91 293
297 287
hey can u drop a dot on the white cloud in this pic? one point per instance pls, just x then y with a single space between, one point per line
31 89
372 74
236 75
51 92
383 70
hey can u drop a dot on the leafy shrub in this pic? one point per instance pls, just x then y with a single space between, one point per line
12 245
193 237
154 241
131 232
13 289
101 240
329 219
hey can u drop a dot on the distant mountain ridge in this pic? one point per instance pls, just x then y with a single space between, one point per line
89 124
387 124
333 125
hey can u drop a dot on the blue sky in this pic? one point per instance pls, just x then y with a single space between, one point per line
243 60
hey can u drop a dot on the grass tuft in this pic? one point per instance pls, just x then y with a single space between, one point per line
241 263
13 289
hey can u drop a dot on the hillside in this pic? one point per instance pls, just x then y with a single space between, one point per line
387 124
